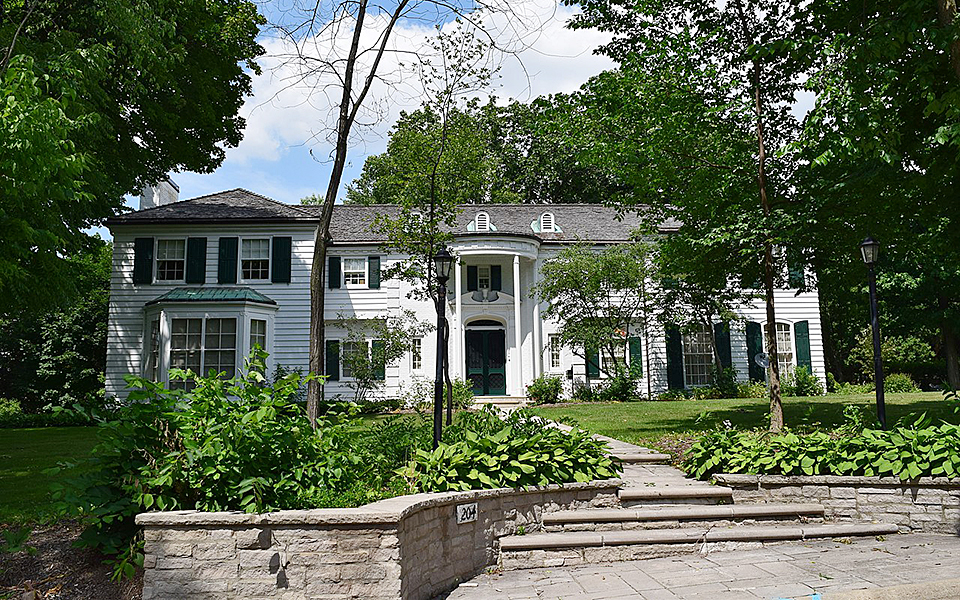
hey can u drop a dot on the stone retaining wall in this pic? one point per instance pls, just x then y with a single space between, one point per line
927 504
410 547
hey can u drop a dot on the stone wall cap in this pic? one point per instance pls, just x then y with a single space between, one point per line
383 513
753 480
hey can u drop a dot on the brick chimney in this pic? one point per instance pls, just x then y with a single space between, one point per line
162 193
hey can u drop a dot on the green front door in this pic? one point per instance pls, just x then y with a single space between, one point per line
487 362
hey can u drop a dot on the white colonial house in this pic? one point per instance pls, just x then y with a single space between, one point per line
198 283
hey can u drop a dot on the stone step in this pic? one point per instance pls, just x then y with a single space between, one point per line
674 494
500 401
549 541
724 512
641 458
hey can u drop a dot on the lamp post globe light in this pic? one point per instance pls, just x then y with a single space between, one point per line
442 262
870 251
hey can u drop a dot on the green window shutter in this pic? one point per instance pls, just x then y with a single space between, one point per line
593 363
332 370
227 260
472 278
801 336
721 334
754 347
143 260
636 356
794 270
674 359
496 278
196 260
280 259
334 263
373 266
379 360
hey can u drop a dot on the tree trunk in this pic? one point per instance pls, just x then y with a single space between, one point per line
947 13
322 236
951 346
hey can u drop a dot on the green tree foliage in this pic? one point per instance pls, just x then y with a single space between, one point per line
59 356
99 98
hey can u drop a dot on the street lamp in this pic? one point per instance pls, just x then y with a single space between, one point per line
442 262
870 250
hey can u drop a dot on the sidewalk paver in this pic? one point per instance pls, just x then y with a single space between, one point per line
789 570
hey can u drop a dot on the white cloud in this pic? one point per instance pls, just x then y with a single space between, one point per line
285 122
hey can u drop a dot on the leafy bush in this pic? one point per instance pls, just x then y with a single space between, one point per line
725 382
673 395
899 383
418 394
12 416
506 459
904 452
894 350
545 389
801 382
849 389
752 389
621 387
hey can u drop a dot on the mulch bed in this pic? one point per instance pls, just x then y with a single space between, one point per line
58 571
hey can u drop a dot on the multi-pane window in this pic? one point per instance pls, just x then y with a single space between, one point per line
784 348
351 351
200 347
616 363
255 259
220 346
554 347
186 343
697 358
416 354
483 277
355 271
171 260
152 370
258 334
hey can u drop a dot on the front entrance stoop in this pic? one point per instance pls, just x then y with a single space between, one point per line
662 512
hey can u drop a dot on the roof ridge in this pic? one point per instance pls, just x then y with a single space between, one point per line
296 207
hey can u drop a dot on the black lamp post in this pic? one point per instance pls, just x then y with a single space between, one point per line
442 261
870 249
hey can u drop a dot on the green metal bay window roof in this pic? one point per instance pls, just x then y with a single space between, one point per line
214 295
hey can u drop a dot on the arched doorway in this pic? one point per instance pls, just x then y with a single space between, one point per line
486 357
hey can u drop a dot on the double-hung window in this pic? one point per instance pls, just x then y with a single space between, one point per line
350 352
554 348
171 260
784 348
416 354
152 369
355 272
201 345
697 358
616 363
258 334
483 277
255 259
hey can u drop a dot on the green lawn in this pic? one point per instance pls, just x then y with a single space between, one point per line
649 422
24 454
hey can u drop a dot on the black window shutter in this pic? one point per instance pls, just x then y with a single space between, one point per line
472 278
674 359
143 260
379 360
496 278
754 347
280 259
227 260
721 335
593 363
196 260
334 272
636 357
801 335
373 278
332 370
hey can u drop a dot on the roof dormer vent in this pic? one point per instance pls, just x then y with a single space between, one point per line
482 221
546 223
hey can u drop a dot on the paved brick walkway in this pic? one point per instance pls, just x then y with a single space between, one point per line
788 570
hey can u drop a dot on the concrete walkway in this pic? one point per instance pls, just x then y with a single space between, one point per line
789 570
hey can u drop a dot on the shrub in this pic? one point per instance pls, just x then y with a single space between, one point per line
801 382
752 389
12 416
418 394
506 459
849 389
545 389
903 452
897 383
673 395
725 382
622 387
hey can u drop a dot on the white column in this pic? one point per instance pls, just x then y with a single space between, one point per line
518 338
537 348
457 333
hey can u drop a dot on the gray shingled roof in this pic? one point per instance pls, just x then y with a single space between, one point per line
352 224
